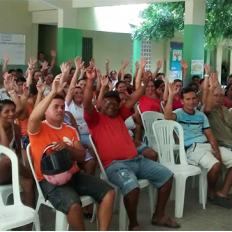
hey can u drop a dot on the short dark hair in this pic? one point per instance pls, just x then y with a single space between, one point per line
196 76
128 75
20 79
177 80
158 83
118 83
6 102
227 88
11 70
112 94
185 90
59 96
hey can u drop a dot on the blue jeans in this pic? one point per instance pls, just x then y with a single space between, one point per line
125 173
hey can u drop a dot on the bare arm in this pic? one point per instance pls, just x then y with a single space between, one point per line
138 78
213 142
168 114
158 67
209 98
103 89
184 67
79 64
5 63
88 94
122 70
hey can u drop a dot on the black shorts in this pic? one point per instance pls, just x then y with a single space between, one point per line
62 197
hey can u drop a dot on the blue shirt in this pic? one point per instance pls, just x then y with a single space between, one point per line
193 126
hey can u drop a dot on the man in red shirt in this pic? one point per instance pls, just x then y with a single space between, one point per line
66 197
119 155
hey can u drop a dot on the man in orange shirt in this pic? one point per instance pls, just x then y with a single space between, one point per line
53 131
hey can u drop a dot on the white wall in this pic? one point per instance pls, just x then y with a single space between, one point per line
15 18
118 46
113 46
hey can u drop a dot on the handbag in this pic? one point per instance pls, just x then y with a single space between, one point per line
57 166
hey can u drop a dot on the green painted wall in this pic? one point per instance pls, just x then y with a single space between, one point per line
69 44
193 45
136 53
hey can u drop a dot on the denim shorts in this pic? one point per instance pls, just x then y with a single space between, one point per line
125 173
64 196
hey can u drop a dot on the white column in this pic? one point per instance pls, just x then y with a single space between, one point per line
219 62
230 61
67 18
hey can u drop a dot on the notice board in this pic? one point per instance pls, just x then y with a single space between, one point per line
13 46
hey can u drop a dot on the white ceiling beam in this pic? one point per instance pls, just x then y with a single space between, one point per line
99 3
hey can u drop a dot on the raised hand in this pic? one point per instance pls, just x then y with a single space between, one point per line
31 63
6 59
125 63
91 73
143 63
9 82
58 85
172 89
53 53
107 61
44 66
26 91
79 63
207 69
91 63
65 68
159 64
213 81
104 81
184 64
40 86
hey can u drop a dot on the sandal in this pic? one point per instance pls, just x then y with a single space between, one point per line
166 222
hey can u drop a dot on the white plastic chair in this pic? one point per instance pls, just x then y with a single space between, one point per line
148 118
18 214
61 219
143 183
163 131
5 191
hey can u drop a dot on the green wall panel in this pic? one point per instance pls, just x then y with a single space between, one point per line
193 45
69 44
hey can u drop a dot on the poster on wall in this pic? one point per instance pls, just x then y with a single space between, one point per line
14 47
197 67
176 52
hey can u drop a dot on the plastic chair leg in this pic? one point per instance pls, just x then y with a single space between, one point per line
5 195
180 182
61 221
152 198
203 186
36 224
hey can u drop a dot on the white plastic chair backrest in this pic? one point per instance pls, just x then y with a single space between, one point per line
148 118
103 173
15 173
32 169
164 131
139 109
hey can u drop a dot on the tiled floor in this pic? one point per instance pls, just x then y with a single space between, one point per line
213 218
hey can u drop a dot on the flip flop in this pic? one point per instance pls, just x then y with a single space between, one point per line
166 222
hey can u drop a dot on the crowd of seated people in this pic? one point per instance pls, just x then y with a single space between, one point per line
61 111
